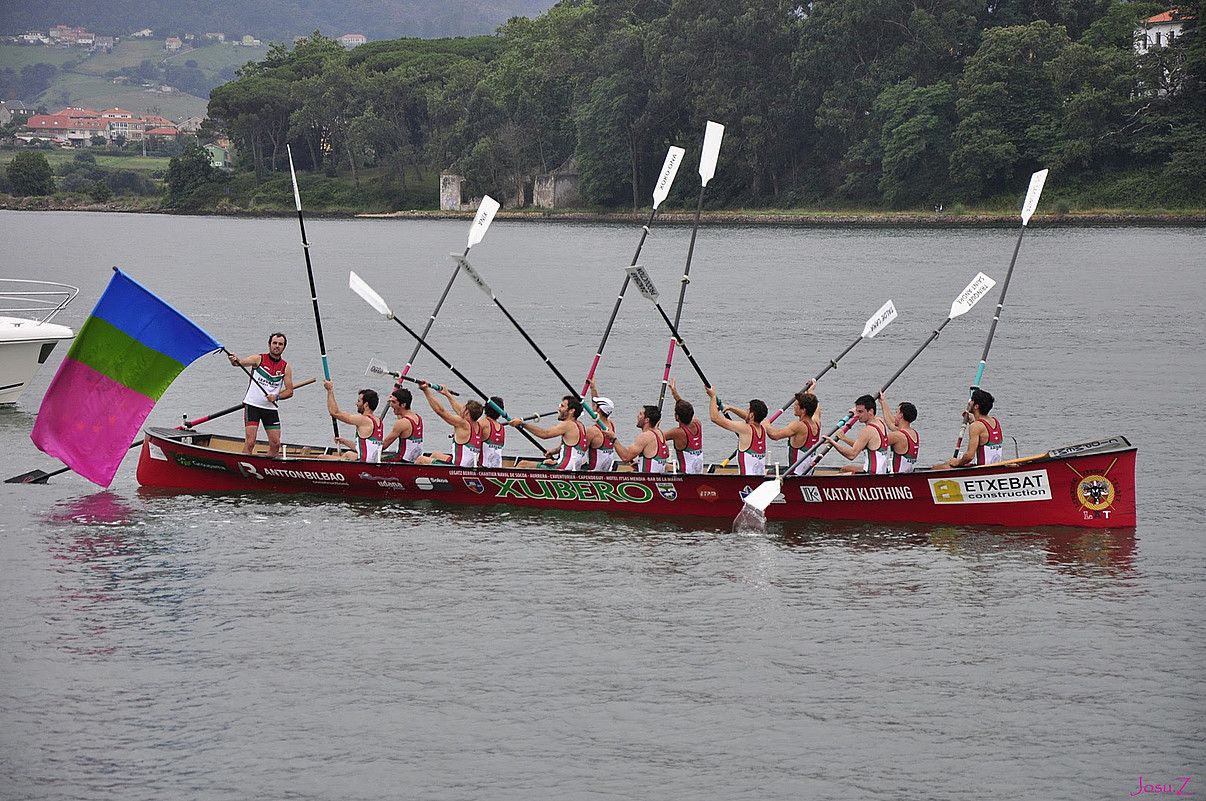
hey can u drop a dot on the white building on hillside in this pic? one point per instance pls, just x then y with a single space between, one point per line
1158 31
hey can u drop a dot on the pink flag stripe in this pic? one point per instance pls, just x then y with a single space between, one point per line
88 420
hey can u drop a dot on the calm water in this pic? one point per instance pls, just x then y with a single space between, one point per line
239 647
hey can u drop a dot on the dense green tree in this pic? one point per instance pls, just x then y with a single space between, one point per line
189 172
29 174
916 124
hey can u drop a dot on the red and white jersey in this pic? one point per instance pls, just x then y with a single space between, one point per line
990 452
657 462
907 462
794 454
267 378
411 448
603 458
752 461
878 460
492 446
690 458
469 454
368 449
573 457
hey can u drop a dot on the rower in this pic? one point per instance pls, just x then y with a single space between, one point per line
271 381
903 439
369 430
750 430
407 429
648 452
984 435
494 433
803 433
572 454
466 430
872 440
687 436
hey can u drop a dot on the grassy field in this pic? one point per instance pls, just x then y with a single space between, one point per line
100 93
217 57
17 56
146 164
127 53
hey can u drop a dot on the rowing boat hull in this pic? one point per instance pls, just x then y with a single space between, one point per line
1090 485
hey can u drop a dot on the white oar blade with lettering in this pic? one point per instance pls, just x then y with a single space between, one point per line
765 494
378 367
473 274
880 320
644 283
293 175
674 159
971 295
1032 195
481 221
370 296
711 151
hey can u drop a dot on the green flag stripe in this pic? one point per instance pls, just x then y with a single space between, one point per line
127 361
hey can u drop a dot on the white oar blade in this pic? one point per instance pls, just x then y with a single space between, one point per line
377 367
1032 195
644 283
711 151
474 276
880 320
764 495
674 159
971 295
357 285
481 222
293 175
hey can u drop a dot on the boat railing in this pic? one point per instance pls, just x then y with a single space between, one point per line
41 300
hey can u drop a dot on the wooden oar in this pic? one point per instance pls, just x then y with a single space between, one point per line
876 323
41 477
713 135
476 278
674 158
301 221
1028 206
370 296
765 494
477 231
377 368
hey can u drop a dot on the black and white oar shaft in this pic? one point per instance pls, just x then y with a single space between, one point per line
674 158
477 231
301 221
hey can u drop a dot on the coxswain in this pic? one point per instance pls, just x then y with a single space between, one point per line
687 436
407 430
903 439
494 433
648 452
803 433
467 433
271 381
985 437
572 453
750 430
872 441
369 429
600 446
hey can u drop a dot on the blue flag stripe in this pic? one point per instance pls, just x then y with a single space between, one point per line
136 311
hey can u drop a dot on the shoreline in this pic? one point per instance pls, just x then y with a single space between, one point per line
730 217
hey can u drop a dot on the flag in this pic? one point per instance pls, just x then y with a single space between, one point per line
126 354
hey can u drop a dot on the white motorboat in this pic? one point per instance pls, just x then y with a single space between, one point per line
28 338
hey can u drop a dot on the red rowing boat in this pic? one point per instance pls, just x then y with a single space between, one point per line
1088 485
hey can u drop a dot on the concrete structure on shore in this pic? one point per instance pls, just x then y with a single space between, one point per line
558 189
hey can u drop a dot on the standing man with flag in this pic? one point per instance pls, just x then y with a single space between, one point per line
271 381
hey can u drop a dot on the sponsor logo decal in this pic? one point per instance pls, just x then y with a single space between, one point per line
667 491
863 493
559 489
707 493
385 482
322 477
475 484
1095 492
1112 442
811 494
1033 485
185 460
433 483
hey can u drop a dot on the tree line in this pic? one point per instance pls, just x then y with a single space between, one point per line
862 102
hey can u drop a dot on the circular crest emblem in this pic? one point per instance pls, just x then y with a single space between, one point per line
1095 492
